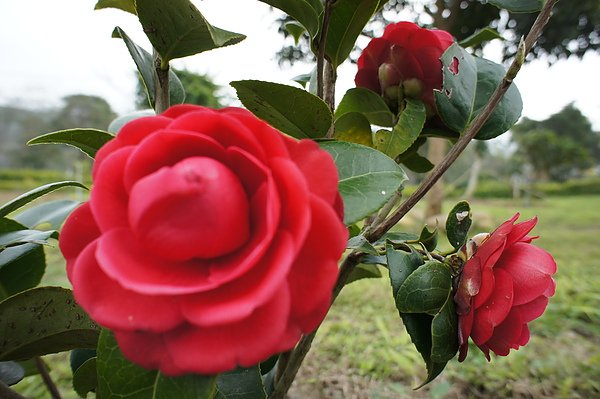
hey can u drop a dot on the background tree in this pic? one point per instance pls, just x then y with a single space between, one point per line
199 89
559 147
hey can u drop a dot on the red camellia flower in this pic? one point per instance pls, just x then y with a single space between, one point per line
210 240
504 285
404 62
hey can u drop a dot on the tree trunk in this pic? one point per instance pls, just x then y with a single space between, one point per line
473 177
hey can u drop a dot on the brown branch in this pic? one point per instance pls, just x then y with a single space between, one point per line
298 354
7 393
161 95
39 364
321 47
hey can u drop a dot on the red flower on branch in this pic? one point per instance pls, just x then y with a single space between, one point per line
504 285
404 62
210 240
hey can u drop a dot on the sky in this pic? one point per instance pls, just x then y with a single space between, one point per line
50 49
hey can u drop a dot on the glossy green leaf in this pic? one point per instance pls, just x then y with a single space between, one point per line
360 243
456 99
87 140
177 29
145 66
368 178
468 84
118 378
119 122
368 103
518 6
405 132
289 109
508 111
49 215
241 383
429 239
425 290
41 321
480 37
401 264
79 356
363 271
458 224
85 378
29 196
305 12
21 267
347 20
417 163
27 236
295 29
125 5
11 372
354 127
444 332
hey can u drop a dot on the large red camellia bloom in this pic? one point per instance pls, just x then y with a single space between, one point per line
210 240
404 62
504 285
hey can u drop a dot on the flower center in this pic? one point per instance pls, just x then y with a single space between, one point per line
195 209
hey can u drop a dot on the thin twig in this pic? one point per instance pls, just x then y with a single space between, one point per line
298 354
7 393
39 364
161 95
321 48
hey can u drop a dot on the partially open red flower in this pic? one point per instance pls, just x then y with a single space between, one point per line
404 62
210 240
503 286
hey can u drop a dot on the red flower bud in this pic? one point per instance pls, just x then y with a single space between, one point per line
503 286
404 53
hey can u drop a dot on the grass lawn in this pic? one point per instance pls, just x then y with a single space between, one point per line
362 350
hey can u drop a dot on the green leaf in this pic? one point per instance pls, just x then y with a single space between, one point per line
425 290
458 224
455 101
401 264
360 242
305 12
79 356
468 84
405 132
85 378
241 383
295 29
518 6
87 140
125 5
119 122
347 20
368 103
368 178
11 372
508 111
49 215
417 163
118 378
29 196
21 267
292 110
479 37
444 332
429 239
363 271
41 321
26 236
145 66
354 127
177 29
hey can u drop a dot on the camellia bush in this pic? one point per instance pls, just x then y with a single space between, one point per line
214 242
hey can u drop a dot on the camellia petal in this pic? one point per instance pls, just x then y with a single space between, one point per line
78 233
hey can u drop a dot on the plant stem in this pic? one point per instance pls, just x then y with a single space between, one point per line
321 48
39 364
161 95
7 393
300 351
